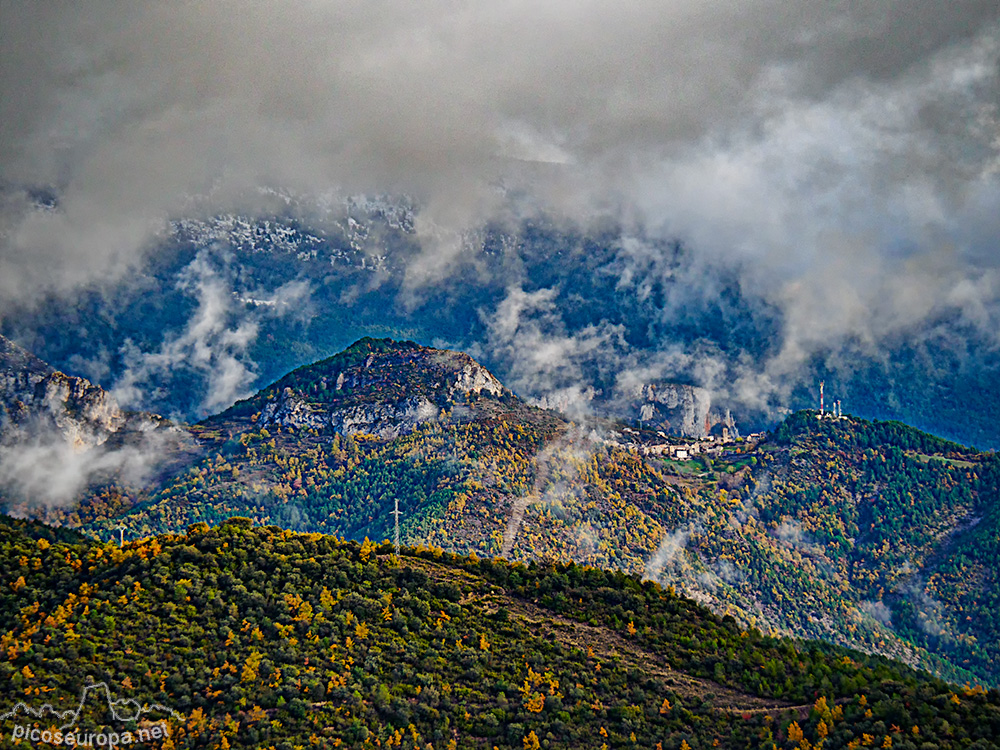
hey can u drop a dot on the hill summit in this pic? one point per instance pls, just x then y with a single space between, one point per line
305 640
376 386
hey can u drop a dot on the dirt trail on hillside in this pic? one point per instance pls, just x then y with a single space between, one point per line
514 523
607 646
520 506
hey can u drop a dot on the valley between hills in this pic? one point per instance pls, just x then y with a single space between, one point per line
866 534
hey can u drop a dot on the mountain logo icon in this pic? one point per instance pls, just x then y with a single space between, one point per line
96 702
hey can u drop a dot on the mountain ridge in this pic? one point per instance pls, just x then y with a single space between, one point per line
352 258
16 359
339 392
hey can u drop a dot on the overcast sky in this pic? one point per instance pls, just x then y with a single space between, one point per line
842 155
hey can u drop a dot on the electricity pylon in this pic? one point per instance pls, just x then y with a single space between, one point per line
396 513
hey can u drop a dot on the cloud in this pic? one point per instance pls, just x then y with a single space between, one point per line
557 468
790 532
212 350
861 215
670 549
727 571
46 467
878 610
929 612
840 161
558 365
542 359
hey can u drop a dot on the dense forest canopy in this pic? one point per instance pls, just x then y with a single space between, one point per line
260 637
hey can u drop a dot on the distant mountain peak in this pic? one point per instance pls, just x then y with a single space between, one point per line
15 359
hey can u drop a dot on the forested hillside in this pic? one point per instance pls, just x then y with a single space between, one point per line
261 637
870 535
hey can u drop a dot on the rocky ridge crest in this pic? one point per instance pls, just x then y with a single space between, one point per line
377 386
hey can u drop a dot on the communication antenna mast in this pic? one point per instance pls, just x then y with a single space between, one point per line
397 513
821 398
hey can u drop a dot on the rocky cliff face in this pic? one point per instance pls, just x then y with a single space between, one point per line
670 407
385 420
673 408
34 398
474 378
83 413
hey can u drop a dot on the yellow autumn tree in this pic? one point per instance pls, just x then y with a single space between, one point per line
822 707
305 613
366 549
535 703
249 673
326 600
795 732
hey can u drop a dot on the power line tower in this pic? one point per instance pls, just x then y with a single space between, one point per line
397 514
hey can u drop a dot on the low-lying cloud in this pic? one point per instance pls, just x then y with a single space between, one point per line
542 358
671 548
45 468
879 611
211 352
